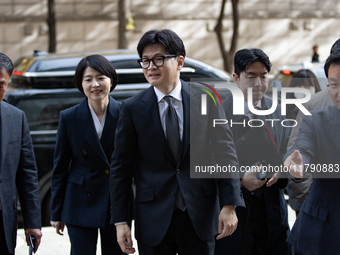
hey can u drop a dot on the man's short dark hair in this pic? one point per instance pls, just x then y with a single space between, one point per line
335 46
99 63
334 58
170 41
6 64
245 57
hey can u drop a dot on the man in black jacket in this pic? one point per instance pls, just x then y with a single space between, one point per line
173 212
263 224
18 171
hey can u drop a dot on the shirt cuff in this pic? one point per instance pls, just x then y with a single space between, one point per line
120 223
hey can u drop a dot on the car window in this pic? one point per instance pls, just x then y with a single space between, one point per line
42 111
62 64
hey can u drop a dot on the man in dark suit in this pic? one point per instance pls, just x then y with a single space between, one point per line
263 224
17 171
316 229
155 140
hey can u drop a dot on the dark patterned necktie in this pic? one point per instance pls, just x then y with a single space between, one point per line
172 134
172 128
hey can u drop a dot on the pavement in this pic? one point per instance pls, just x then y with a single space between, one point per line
54 244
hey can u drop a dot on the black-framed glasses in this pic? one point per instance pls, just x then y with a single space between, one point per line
157 61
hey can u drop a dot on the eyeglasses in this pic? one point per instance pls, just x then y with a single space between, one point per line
157 61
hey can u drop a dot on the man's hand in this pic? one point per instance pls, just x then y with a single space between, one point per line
59 227
274 179
227 221
294 162
124 238
250 181
33 232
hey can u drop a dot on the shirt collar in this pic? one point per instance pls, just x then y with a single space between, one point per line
175 93
246 108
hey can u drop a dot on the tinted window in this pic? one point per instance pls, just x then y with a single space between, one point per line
42 111
49 65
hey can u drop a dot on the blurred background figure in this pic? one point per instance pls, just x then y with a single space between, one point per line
303 78
315 57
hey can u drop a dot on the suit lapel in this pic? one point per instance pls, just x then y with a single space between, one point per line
112 115
86 126
150 113
188 98
6 122
332 127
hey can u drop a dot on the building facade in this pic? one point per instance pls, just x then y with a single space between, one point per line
285 29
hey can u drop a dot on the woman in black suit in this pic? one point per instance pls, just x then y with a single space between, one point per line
85 142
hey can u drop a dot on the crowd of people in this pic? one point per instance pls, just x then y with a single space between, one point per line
117 162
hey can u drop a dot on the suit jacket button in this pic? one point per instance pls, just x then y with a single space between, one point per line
88 193
107 171
177 171
84 151
172 194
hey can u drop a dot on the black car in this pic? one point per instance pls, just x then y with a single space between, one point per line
57 70
42 86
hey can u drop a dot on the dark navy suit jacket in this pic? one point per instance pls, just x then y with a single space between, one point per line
276 205
17 171
80 180
140 138
317 227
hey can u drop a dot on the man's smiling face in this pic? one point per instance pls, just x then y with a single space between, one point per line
166 76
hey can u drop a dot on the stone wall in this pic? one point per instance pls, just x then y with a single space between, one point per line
285 29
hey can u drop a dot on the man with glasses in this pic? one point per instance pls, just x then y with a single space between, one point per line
173 213
316 229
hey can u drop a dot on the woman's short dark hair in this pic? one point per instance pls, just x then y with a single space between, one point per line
99 63
305 77
170 41
245 57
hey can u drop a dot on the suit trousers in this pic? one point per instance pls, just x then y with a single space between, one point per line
180 238
84 240
255 233
3 245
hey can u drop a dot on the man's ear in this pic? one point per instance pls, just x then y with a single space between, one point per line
236 78
180 62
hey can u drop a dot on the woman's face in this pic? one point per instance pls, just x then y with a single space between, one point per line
306 86
310 88
96 86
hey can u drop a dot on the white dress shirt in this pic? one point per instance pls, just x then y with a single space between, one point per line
97 124
177 103
247 112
